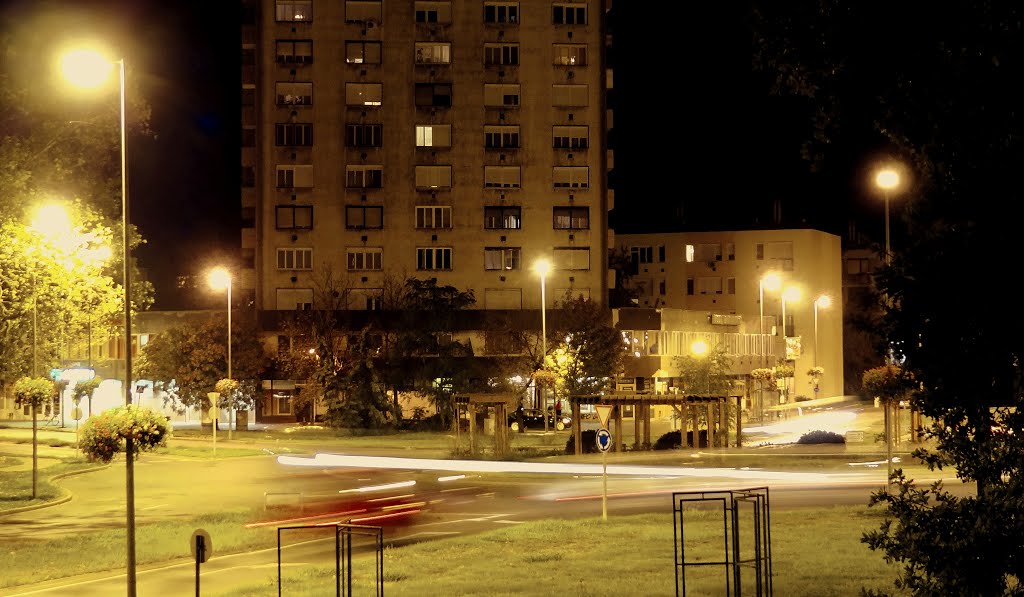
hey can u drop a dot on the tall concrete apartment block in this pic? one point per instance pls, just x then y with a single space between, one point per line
459 140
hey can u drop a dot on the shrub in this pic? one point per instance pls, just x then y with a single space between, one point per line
589 440
673 440
103 435
821 437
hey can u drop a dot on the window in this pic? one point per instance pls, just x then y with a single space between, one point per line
294 94
433 177
572 258
293 134
570 137
778 254
709 285
503 217
570 54
284 402
569 96
858 266
571 218
641 254
248 219
363 11
433 12
294 217
730 285
661 253
501 12
571 177
569 13
364 94
295 177
690 285
661 287
433 135
248 176
362 217
501 258
364 258
501 177
363 52
437 95
433 216
361 176
501 95
294 51
294 10
501 54
433 53
291 299
501 137
433 258
364 135
294 258
730 251
248 136
704 252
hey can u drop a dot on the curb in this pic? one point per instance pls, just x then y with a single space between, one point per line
57 501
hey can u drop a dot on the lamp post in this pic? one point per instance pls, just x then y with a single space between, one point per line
772 281
543 267
887 179
790 294
89 69
220 277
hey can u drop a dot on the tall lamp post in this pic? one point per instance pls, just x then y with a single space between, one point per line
791 294
220 277
543 267
887 179
771 281
87 68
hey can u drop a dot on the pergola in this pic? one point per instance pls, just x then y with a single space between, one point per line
688 406
473 404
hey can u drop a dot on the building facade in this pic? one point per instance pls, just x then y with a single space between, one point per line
455 140
710 286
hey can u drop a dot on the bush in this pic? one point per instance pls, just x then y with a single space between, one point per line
673 440
589 440
821 437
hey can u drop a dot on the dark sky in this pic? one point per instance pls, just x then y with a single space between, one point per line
693 128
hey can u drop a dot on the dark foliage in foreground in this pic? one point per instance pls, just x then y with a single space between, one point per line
821 437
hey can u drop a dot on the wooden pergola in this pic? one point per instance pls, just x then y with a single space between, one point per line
474 404
689 408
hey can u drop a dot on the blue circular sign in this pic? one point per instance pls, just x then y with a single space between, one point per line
604 440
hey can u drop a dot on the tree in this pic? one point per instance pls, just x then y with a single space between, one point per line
33 391
186 361
588 350
707 374
946 100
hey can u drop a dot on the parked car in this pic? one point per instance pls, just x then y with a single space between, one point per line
533 418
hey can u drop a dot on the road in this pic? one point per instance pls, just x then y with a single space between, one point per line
439 503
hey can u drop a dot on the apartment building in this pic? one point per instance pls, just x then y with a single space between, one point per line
455 140
711 286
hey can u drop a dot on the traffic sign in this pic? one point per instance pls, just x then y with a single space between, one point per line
202 546
604 440
604 412
76 414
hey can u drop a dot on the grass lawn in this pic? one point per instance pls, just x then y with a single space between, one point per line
815 551
16 485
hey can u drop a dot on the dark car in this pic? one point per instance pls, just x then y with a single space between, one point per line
534 419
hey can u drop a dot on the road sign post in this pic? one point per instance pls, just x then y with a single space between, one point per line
202 549
604 441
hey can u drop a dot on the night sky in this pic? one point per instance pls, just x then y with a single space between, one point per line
699 144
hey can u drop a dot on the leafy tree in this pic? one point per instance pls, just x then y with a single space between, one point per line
946 100
186 361
589 350
707 374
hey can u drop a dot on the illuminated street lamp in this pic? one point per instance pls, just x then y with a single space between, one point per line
791 294
89 69
219 278
543 267
887 179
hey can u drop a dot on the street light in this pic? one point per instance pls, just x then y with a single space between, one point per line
87 68
543 267
219 278
887 179
790 294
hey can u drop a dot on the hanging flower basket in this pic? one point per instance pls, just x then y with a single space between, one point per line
103 436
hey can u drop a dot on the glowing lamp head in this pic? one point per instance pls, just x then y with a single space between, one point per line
52 221
887 179
771 281
542 267
699 348
219 278
85 68
791 294
823 302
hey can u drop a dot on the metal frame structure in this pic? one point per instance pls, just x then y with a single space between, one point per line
343 550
